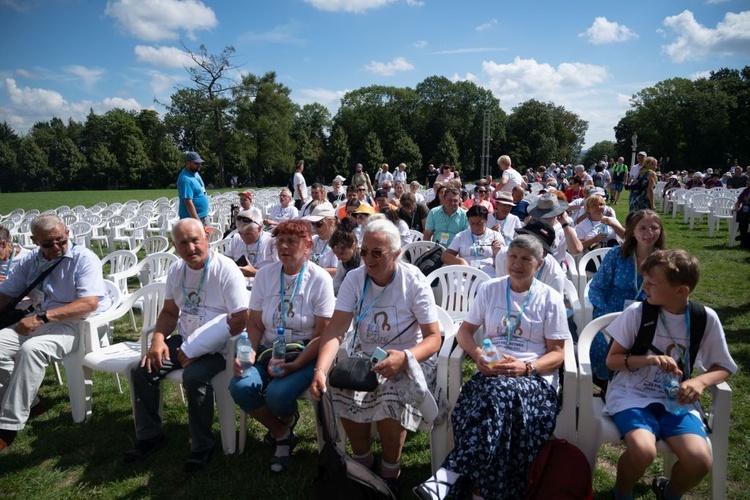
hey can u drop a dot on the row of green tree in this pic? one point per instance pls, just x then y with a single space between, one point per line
688 124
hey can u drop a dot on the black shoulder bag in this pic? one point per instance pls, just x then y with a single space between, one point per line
9 315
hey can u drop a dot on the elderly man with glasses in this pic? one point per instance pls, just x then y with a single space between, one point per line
285 210
250 248
72 289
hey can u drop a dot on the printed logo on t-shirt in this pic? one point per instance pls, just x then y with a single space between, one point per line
381 327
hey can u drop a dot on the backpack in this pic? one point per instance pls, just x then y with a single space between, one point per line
430 260
339 476
598 179
561 471
647 330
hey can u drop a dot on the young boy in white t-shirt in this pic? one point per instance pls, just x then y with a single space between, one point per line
636 400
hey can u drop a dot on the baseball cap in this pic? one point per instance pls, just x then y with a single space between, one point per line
321 212
247 194
247 216
542 230
193 156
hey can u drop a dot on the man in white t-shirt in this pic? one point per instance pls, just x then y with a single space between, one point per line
204 288
383 175
251 248
400 174
510 177
300 186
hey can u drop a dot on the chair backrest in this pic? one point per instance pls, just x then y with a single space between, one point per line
113 292
119 260
214 234
446 322
416 235
456 288
411 252
586 337
722 206
154 267
221 245
595 257
155 244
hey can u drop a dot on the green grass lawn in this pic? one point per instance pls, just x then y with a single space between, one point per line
54 458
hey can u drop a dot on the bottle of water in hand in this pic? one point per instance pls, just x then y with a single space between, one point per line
278 356
671 387
489 352
244 352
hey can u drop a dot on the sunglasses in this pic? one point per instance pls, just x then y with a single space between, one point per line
361 216
50 244
319 224
246 220
375 254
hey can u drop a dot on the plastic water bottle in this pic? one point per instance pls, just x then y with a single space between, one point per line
671 386
278 355
244 352
489 352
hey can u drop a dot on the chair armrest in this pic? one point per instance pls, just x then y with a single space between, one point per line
231 351
720 407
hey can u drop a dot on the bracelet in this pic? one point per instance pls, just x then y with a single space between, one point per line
627 365
528 368
564 225
319 369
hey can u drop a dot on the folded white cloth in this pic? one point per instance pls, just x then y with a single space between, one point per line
418 394
208 338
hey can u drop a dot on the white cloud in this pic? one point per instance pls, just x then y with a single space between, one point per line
716 1
164 57
487 25
419 44
27 74
89 76
389 68
467 50
603 31
700 74
414 3
331 99
163 85
357 6
154 20
285 33
27 106
15 5
694 41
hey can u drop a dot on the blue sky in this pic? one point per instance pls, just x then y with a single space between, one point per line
63 57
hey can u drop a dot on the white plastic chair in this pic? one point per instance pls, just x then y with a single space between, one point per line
700 205
456 288
81 233
678 201
595 257
416 235
415 249
721 208
153 244
596 428
221 245
119 261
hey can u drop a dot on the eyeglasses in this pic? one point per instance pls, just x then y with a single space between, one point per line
246 220
482 191
643 229
375 254
361 216
319 223
50 244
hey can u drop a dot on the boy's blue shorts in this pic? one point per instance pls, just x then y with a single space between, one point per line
657 420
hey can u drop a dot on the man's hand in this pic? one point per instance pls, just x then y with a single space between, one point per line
153 358
28 324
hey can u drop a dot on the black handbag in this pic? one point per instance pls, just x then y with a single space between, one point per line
355 372
9 315
293 349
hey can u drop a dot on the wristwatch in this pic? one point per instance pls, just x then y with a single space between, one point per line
43 317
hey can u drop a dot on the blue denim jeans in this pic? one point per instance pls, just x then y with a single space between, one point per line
258 388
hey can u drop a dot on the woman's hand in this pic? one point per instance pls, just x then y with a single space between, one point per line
318 386
391 366
666 364
496 246
279 370
237 368
510 366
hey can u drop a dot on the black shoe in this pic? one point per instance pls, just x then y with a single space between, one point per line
143 448
6 438
658 485
197 461
271 441
282 463
394 484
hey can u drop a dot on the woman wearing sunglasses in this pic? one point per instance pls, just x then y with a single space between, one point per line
393 308
324 222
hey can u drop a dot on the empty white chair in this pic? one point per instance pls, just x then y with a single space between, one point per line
416 249
587 260
456 288
721 209
700 205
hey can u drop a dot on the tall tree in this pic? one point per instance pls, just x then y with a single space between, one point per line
373 152
407 151
266 114
210 78
338 152
310 131
447 149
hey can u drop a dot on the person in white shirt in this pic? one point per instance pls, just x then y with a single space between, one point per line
475 246
510 176
502 220
246 203
251 248
400 174
414 187
300 185
283 211
10 253
383 175
317 195
323 220
595 230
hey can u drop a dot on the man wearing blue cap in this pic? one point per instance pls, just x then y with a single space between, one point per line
192 190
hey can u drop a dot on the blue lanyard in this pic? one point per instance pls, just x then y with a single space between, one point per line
638 289
358 305
321 253
683 353
10 261
541 270
200 284
509 331
475 244
257 249
282 306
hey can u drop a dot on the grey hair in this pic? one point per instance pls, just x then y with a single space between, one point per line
383 226
286 190
46 223
529 243
180 224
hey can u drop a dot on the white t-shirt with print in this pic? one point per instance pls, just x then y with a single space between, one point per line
223 291
279 214
507 227
322 254
551 272
408 297
587 229
476 250
641 388
313 297
259 254
543 319
514 179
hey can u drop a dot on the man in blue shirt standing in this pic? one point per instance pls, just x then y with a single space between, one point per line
191 190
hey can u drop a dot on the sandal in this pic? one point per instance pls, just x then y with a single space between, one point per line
281 463
271 441
431 491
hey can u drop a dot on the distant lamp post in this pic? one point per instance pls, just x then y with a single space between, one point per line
634 142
